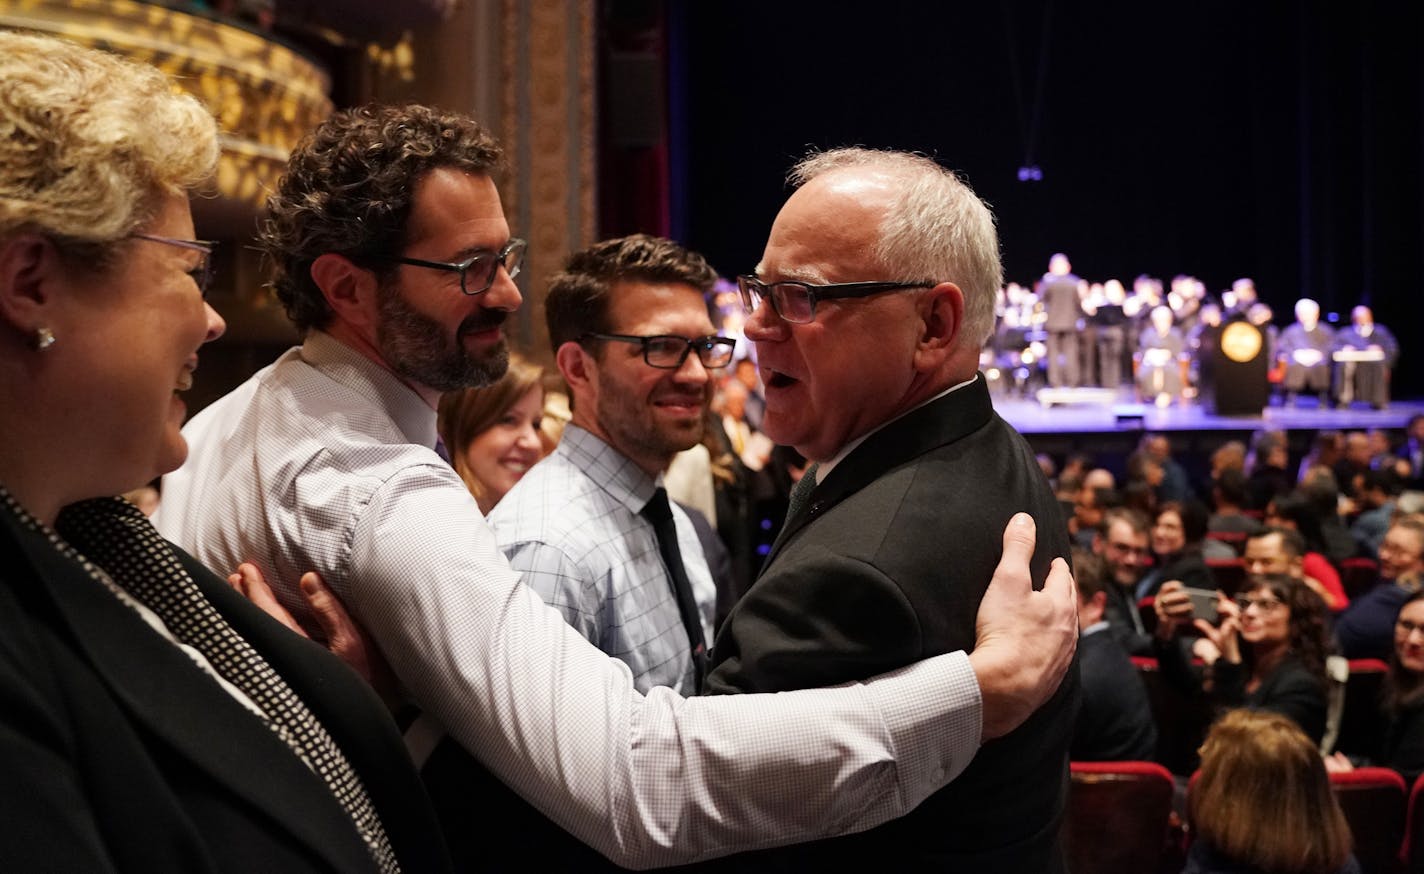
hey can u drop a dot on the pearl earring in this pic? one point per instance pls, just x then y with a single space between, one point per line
44 338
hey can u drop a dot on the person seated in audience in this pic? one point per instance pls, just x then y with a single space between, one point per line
1297 512
1266 468
1263 803
1355 460
1375 498
1178 532
1144 474
492 434
1304 350
1365 630
1115 720
1094 497
1367 381
1121 545
1265 651
1400 742
1321 488
1277 550
1175 485
1413 449
1230 455
1228 492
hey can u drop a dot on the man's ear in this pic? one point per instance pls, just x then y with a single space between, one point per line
30 266
577 366
942 319
350 291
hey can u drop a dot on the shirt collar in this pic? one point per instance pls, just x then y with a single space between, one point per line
609 469
410 413
824 469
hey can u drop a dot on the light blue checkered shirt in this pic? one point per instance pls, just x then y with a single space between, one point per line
571 528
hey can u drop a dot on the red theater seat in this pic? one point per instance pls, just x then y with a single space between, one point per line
1373 801
1118 818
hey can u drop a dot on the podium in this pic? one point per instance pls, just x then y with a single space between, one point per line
1239 364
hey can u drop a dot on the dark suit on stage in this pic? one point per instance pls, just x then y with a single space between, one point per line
886 565
120 754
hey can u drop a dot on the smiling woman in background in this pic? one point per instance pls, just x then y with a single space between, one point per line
150 718
493 433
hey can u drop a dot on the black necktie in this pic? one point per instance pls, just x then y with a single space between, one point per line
801 492
115 535
658 512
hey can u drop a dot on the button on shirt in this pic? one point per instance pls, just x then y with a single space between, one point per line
571 527
323 461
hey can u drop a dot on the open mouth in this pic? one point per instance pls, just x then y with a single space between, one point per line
776 379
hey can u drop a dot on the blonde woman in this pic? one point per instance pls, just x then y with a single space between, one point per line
493 434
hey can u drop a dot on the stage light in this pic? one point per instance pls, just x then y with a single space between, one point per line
1030 173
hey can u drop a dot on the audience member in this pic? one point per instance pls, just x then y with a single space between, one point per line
1364 631
492 434
1228 494
1175 485
1178 531
1267 468
628 323
152 719
1266 651
1375 499
1300 512
1121 544
745 372
1283 551
1263 803
868 311
324 461
1399 744
1115 721
1413 450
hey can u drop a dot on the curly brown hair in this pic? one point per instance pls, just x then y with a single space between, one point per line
1309 640
348 190
577 303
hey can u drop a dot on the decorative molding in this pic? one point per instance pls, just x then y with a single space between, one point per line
265 95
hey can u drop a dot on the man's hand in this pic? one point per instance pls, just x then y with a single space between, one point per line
346 640
1024 639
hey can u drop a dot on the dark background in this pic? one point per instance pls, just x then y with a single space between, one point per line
1281 141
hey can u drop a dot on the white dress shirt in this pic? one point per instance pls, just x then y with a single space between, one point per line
322 461
572 529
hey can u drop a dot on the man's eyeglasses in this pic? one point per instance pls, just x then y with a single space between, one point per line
1265 605
202 273
478 271
795 301
669 351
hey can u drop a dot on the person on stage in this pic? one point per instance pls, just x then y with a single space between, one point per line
1365 380
1304 348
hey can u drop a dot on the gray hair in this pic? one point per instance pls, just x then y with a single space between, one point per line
937 228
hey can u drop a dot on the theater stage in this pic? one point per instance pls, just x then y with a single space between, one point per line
1105 424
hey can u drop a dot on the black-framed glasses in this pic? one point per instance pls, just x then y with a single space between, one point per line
795 301
669 351
202 273
1265 605
478 271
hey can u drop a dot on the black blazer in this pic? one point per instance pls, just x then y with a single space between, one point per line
1115 722
119 754
886 565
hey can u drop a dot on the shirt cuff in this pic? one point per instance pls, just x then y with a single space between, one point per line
934 714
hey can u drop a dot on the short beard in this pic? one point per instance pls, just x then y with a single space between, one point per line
416 346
